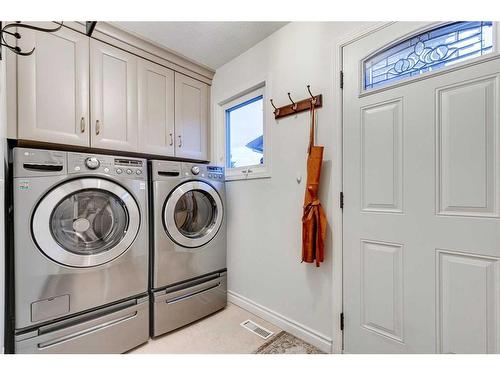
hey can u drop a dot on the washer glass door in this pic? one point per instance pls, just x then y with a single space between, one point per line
86 222
89 222
193 214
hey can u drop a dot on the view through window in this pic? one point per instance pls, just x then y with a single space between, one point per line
245 134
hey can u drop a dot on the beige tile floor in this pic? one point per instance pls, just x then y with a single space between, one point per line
219 333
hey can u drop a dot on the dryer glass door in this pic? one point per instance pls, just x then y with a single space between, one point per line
86 222
193 214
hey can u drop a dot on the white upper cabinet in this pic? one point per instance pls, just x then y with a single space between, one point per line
191 118
113 91
78 91
53 91
156 109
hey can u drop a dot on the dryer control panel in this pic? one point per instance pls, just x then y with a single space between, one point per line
111 165
216 173
210 172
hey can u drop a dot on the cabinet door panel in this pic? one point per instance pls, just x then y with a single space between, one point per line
53 95
156 109
191 118
114 98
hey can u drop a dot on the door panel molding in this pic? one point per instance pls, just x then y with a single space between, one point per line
382 157
476 277
467 148
382 288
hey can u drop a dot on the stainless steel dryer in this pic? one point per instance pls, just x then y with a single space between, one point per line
80 252
189 243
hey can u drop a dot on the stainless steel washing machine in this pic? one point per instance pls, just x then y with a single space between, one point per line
80 252
189 243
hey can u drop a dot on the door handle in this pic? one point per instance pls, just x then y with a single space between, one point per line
97 127
180 141
171 139
82 125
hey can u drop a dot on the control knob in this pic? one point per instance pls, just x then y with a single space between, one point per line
195 170
92 163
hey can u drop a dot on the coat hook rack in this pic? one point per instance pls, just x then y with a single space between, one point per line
297 107
16 49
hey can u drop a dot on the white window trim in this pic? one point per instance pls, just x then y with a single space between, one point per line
251 172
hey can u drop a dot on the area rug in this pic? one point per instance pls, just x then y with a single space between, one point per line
285 343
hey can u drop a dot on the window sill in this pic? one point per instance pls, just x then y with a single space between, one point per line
239 175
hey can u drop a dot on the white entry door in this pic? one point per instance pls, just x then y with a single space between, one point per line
421 242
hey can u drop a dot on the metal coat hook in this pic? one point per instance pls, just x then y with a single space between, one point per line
313 98
16 49
294 105
276 110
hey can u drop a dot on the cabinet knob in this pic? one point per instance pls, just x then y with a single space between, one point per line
180 141
97 127
82 125
171 139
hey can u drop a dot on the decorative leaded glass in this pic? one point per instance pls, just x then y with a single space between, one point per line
429 51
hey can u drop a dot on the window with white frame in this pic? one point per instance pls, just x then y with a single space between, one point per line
245 140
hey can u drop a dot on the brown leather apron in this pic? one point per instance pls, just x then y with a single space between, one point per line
314 219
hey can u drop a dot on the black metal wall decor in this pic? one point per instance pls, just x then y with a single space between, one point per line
90 26
16 49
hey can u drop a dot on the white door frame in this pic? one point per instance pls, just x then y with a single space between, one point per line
338 180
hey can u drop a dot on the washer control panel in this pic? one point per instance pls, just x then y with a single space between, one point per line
92 162
111 165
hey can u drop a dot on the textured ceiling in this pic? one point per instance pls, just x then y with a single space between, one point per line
209 43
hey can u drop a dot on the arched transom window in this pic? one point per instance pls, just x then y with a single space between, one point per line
431 50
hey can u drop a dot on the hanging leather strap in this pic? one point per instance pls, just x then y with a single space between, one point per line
311 130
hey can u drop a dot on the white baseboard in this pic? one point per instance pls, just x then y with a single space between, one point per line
305 333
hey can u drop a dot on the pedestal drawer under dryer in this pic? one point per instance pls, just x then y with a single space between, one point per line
184 303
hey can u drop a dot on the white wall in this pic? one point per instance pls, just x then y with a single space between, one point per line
264 216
